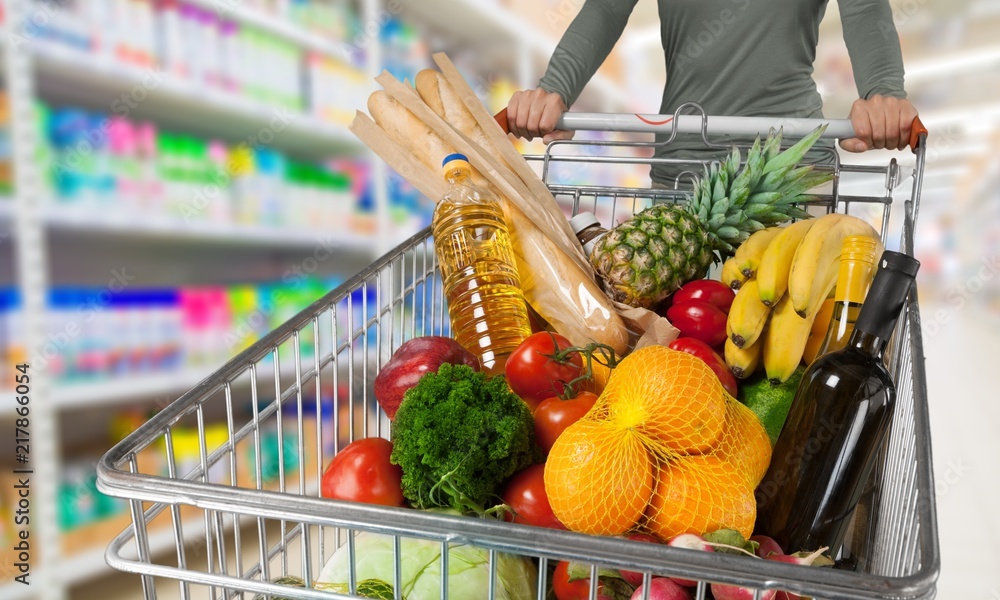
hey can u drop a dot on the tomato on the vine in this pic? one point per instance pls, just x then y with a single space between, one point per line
535 371
554 415
361 472
579 589
525 494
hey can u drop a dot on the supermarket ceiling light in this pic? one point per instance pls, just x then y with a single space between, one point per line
980 60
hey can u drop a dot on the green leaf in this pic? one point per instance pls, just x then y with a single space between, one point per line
721 207
716 222
733 164
719 192
772 182
773 145
810 180
731 542
728 233
753 226
736 218
794 154
756 210
763 198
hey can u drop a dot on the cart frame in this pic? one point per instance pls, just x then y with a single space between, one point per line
342 339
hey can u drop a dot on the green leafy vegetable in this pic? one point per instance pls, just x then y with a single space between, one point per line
457 436
420 568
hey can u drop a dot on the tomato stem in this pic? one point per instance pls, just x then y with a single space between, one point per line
592 352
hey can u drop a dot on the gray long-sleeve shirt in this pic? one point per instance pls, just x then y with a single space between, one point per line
734 57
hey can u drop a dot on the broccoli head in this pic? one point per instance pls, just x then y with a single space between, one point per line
458 435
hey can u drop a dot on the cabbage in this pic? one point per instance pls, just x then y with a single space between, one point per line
468 569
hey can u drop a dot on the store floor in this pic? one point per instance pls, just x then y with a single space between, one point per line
961 346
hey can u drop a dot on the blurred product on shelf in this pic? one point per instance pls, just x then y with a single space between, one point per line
79 501
196 43
99 161
97 335
11 335
6 157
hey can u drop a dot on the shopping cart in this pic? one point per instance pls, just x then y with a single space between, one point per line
243 513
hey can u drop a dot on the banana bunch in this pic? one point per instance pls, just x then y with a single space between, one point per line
783 276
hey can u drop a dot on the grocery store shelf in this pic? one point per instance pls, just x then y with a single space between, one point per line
126 389
66 75
279 27
122 224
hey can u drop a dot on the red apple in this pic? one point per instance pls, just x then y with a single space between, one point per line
410 362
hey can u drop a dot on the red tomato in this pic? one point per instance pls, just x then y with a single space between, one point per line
525 494
709 357
709 290
554 415
700 320
572 590
532 372
361 472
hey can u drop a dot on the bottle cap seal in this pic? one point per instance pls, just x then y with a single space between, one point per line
583 221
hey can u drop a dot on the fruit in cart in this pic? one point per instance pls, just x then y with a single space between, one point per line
746 444
540 367
700 320
748 317
419 564
599 477
743 362
722 591
652 254
816 263
410 362
554 415
731 275
361 472
368 588
525 495
689 541
709 290
749 253
661 588
771 402
776 262
458 435
571 581
701 493
785 341
655 444
705 352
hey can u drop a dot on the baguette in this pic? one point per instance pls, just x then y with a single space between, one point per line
554 284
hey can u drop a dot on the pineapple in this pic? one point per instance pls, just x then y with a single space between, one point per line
658 250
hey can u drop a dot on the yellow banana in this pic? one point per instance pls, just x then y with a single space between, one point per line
817 260
772 273
818 332
731 276
743 361
749 253
747 316
785 341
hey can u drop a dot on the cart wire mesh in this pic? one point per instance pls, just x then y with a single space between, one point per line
224 483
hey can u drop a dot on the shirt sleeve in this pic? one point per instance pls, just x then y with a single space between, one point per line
873 45
583 48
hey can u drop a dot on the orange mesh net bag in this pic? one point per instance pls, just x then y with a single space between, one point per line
665 450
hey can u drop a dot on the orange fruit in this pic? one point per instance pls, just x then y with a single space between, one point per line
699 494
672 397
598 478
744 444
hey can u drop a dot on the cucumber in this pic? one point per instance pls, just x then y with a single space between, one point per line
770 402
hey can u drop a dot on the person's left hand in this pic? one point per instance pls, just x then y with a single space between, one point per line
880 122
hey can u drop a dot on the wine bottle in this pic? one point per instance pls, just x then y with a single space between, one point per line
838 419
857 261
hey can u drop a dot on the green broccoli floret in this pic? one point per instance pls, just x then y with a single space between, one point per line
458 435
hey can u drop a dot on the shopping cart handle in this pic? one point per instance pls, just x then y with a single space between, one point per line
737 126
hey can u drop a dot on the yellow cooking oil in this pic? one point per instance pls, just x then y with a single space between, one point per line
488 314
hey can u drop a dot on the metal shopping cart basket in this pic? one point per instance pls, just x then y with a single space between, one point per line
223 484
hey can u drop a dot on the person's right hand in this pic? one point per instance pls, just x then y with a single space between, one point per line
534 113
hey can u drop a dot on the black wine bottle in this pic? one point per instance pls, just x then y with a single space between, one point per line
838 419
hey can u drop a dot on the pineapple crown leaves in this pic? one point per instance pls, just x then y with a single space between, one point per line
733 201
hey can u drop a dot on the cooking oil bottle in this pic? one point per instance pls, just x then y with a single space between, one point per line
488 314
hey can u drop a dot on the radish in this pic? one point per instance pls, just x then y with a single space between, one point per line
634 578
816 558
662 588
732 592
691 542
767 546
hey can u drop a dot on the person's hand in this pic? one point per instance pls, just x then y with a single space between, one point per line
880 122
534 113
